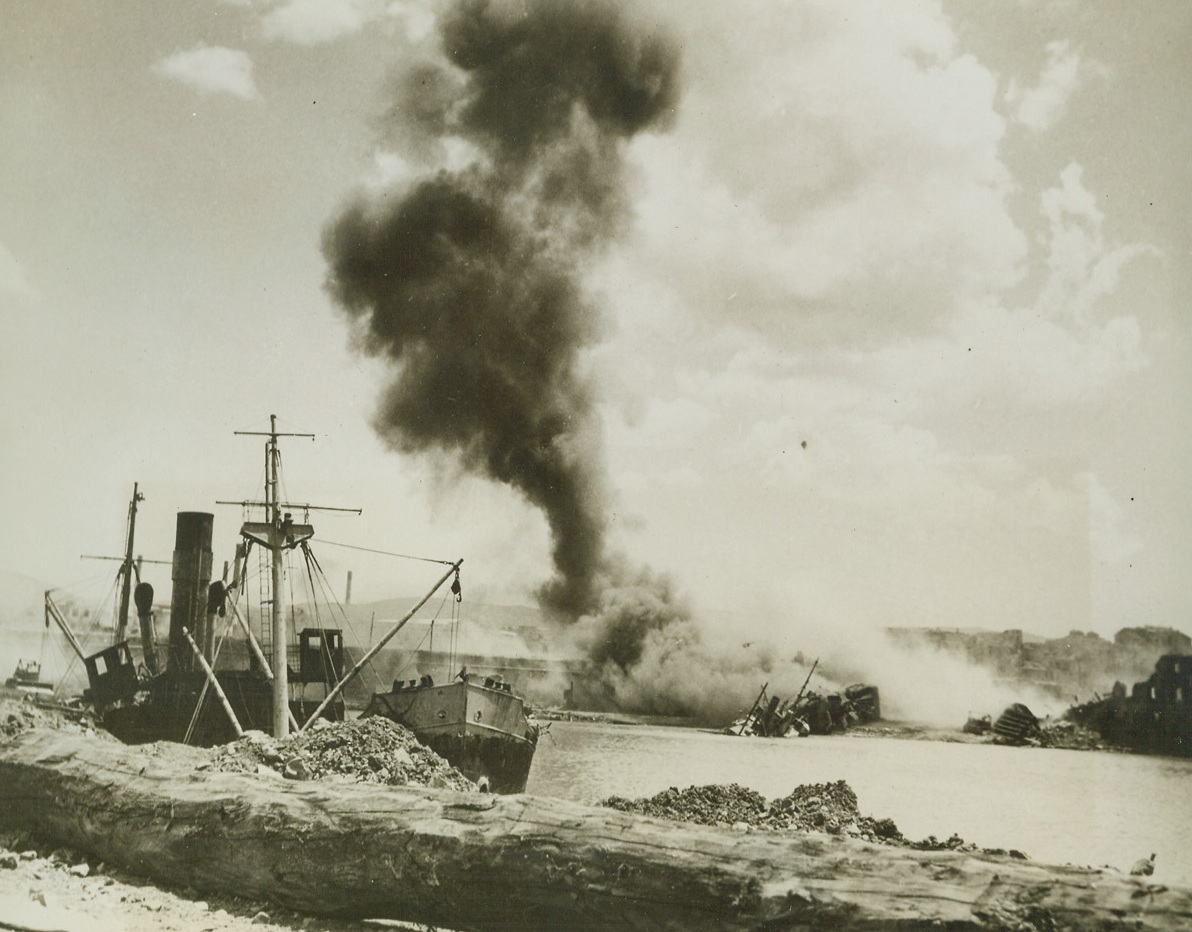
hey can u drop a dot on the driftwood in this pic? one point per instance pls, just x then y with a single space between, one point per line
467 861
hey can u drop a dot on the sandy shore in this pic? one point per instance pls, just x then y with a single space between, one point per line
60 891
57 890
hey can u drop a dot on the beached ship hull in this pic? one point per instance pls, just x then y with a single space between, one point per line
166 710
480 727
180 705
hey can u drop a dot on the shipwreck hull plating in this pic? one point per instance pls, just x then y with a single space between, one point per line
166 712
503 760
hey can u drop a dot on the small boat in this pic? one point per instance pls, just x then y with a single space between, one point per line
27 679
477 723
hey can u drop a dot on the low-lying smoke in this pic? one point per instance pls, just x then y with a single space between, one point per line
921 684
648 654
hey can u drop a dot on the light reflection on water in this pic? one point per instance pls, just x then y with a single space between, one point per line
1075 807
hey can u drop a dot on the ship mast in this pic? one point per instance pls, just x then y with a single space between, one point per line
128 566
127 569
279 533
281 665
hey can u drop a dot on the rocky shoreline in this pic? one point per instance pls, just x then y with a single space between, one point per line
54 888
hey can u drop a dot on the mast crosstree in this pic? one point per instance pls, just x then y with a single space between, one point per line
278 534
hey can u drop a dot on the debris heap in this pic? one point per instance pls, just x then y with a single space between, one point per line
20 715
809 713
814 807
719 804
1019 726
1072 737
367 750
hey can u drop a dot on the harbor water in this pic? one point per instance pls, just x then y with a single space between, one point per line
1065 807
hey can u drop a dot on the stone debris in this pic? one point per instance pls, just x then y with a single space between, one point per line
978 726
366 750
816 807
1070 736
720 804
20 715
1018 726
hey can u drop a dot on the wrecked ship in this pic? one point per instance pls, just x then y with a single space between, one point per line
480 726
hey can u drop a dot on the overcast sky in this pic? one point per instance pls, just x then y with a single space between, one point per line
899 333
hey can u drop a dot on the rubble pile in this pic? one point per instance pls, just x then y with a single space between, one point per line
717 804
814 807
1019 726
825 807
978 726
367 750
21 715
1073 737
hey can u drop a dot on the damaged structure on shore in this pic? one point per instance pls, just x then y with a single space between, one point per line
1155 718
1077 663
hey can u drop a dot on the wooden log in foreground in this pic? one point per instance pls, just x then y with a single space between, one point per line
518 862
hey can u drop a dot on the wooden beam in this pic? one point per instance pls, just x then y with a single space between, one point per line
472 861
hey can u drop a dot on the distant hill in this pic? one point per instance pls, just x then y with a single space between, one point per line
481 613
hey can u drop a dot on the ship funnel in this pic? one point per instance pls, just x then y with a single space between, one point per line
192 576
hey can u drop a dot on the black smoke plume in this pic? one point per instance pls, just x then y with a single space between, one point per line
469 281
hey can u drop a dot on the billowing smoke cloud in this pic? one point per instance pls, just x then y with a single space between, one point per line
469 280
650 656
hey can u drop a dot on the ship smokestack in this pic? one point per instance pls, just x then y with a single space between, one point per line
348 590
191 576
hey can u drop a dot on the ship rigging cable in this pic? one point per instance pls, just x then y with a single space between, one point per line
387 553
313 567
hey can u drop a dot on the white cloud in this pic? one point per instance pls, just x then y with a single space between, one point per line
839 171
313 22
1112 540
211 70
14 280
1040 107
1082 268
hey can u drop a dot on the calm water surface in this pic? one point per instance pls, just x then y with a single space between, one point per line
1075 807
